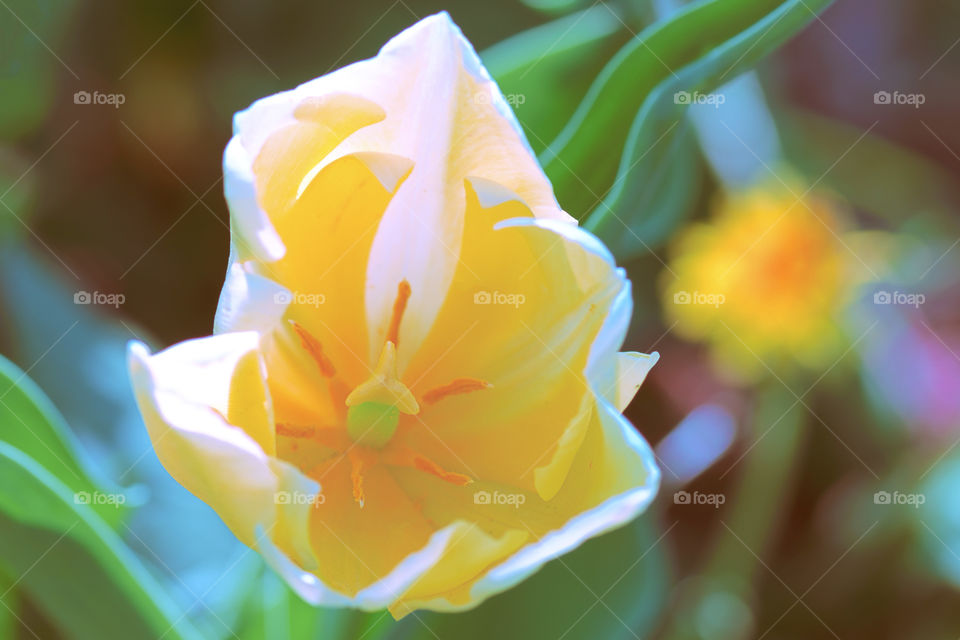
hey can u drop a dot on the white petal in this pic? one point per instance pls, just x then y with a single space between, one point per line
250 302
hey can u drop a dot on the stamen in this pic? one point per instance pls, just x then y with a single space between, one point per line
456 387
357 464
428 465
295 431
399 306
405 457
315 349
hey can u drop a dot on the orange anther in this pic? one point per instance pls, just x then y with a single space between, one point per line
428 465
294 430
315 349
357 464
399 306
458 386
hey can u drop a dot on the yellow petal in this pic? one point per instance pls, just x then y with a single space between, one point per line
470 552
527 326
631 370
328 233
612 478
447 115
185 395
353 546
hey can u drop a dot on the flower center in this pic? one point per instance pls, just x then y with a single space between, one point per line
374 407
372 424
373 410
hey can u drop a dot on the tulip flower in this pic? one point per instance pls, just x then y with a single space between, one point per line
413 394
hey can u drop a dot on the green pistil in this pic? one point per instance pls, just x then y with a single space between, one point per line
372 424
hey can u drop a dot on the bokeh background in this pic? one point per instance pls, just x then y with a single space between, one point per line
124 199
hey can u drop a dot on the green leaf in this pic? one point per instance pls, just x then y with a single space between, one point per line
553 6
273 610
71 564
545 72
640 212
611 587
33 425
622 131
85 374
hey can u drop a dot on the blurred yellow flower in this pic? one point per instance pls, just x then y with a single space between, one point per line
412 398
762 282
